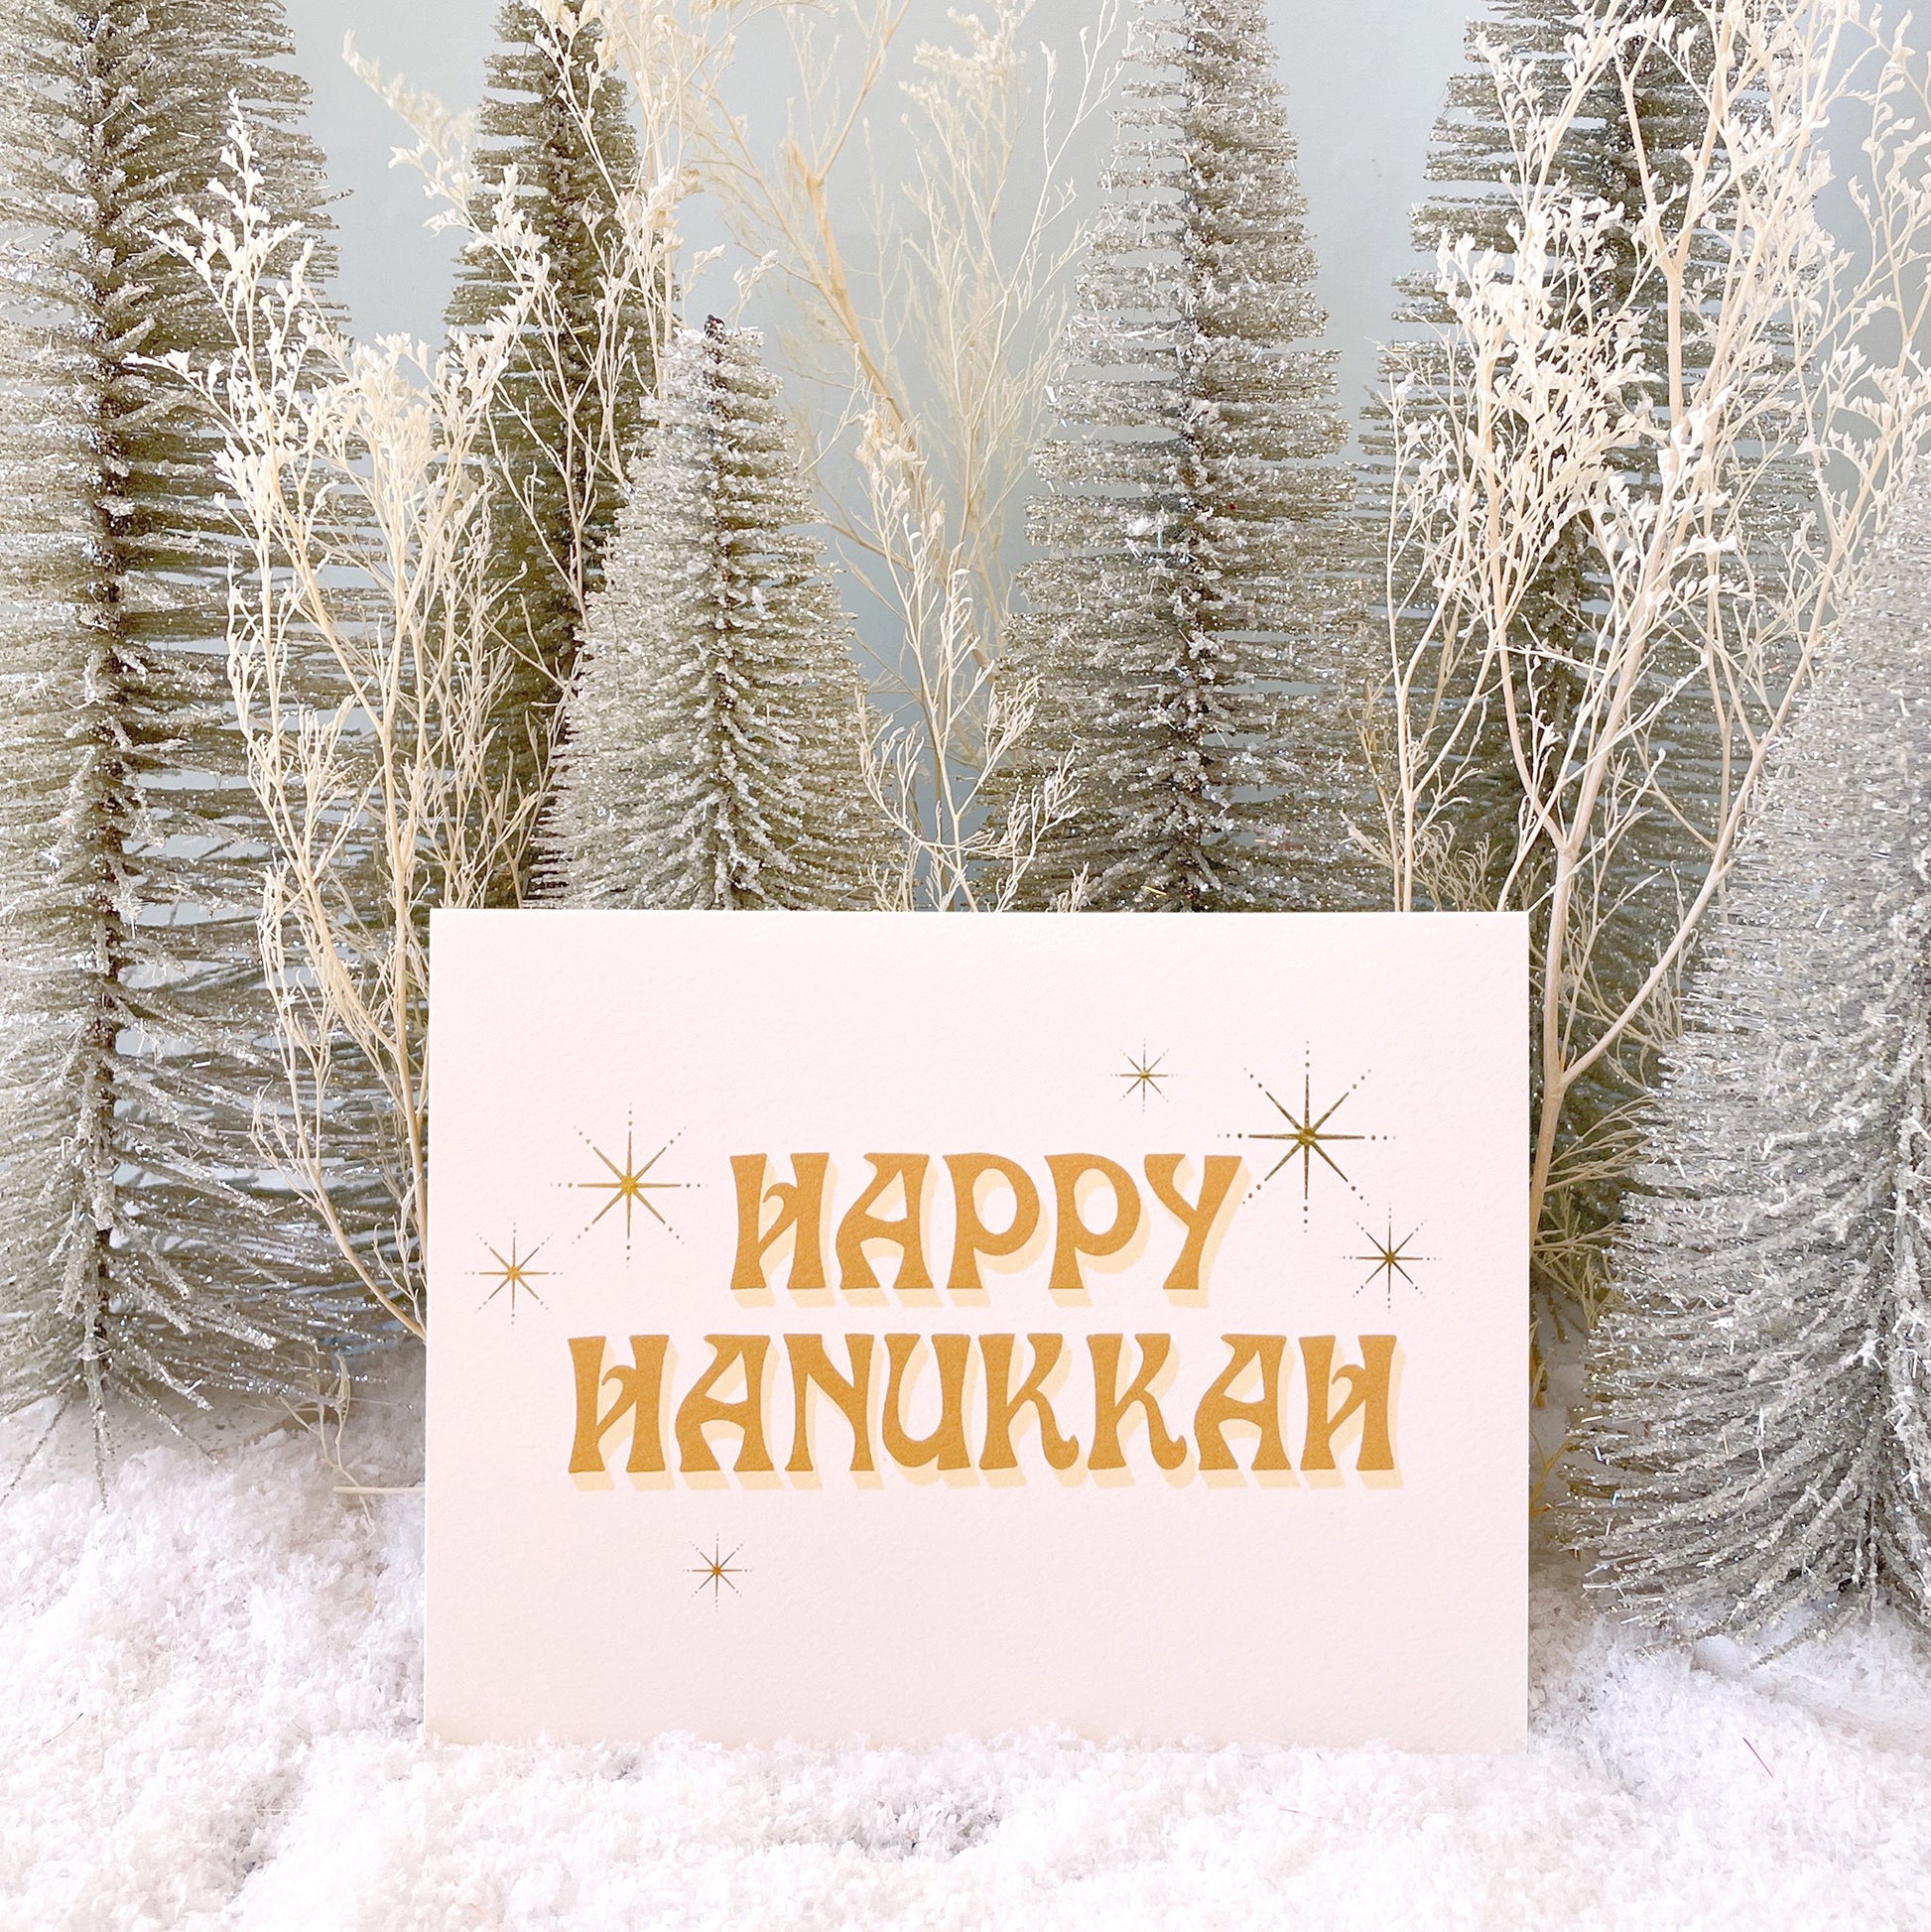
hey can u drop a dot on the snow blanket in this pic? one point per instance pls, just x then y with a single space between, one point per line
210 1720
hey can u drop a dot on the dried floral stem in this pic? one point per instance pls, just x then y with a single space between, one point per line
1703 403
358 480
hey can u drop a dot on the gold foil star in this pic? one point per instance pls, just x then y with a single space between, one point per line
1143 1076
513 1273
1391 1259
715 1571
1308 1137
629 1183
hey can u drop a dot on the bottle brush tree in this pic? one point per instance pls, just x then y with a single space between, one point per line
712 756
1758 1409
558 167
140 1246
1185 609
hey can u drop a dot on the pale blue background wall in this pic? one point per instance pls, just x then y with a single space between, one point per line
1365 79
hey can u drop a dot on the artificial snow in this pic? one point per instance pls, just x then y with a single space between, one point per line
210 1719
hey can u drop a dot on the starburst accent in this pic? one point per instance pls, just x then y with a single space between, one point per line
629 1185
513 1271
1143 1076
715 1571
1391 1259
1307 1135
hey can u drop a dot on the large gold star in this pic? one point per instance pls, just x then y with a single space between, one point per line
1391 1259
629 1183
1306 1136
715 1571
1143 1076
514 1273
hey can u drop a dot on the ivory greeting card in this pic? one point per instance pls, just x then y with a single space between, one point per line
894 1325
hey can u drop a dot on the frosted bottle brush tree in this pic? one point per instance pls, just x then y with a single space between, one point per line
713 756
556 142
1539 435
141 1248
1757 1419
1184 579
566 214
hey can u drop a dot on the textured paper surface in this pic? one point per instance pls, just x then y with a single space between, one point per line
1368 1072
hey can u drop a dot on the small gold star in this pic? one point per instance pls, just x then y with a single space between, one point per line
715 1571
1143 1076
629 1183
1391 1259
1306 1137
513 1273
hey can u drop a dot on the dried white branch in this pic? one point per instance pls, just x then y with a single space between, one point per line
1704 402
944 347
356 476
